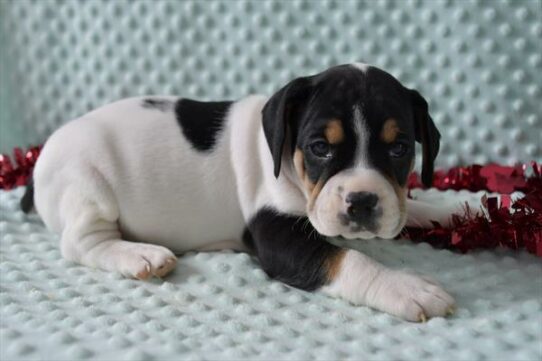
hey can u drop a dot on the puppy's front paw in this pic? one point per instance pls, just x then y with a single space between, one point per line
145 260
408 296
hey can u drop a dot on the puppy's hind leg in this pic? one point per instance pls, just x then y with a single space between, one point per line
91 236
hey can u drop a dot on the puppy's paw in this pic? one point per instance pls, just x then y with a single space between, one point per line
408 296
144 260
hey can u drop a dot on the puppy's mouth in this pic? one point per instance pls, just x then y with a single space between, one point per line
344 228
359 235
370 233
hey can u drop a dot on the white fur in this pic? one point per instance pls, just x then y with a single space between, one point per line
421 214
362 135
253 165
361 66
364 281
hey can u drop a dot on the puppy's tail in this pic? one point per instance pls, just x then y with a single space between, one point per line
27 202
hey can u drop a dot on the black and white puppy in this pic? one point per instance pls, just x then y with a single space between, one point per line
327 155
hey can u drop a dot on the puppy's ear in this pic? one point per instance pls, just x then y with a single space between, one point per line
280 112
427 134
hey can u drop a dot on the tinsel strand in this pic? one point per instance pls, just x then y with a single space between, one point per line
16 174
512 225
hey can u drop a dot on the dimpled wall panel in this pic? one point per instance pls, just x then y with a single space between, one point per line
478 62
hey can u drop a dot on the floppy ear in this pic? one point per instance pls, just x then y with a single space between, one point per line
279 113
427 134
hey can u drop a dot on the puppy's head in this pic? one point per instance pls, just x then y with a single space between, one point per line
347 137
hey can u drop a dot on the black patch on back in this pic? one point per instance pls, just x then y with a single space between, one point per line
289 249
201 121
159 104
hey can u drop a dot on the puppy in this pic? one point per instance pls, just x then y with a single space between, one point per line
328 155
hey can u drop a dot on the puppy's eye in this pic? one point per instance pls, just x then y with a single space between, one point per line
320 149
397 150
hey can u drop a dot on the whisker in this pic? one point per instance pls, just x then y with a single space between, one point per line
304 226
297 221
412 219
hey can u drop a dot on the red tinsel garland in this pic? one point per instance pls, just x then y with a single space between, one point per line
14 175
513 225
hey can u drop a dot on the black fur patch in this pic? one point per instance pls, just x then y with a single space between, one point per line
160 104
289 249
27 202
201 121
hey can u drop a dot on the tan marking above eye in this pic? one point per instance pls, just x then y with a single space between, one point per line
389 131
334 132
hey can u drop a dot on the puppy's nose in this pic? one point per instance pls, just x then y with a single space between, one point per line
361 206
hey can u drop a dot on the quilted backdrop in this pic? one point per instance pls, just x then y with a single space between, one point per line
478 62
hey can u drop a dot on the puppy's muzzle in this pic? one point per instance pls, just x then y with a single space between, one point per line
362 211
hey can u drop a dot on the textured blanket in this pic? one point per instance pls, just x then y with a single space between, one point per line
222 306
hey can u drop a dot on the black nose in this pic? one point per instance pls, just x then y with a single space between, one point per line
362 206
